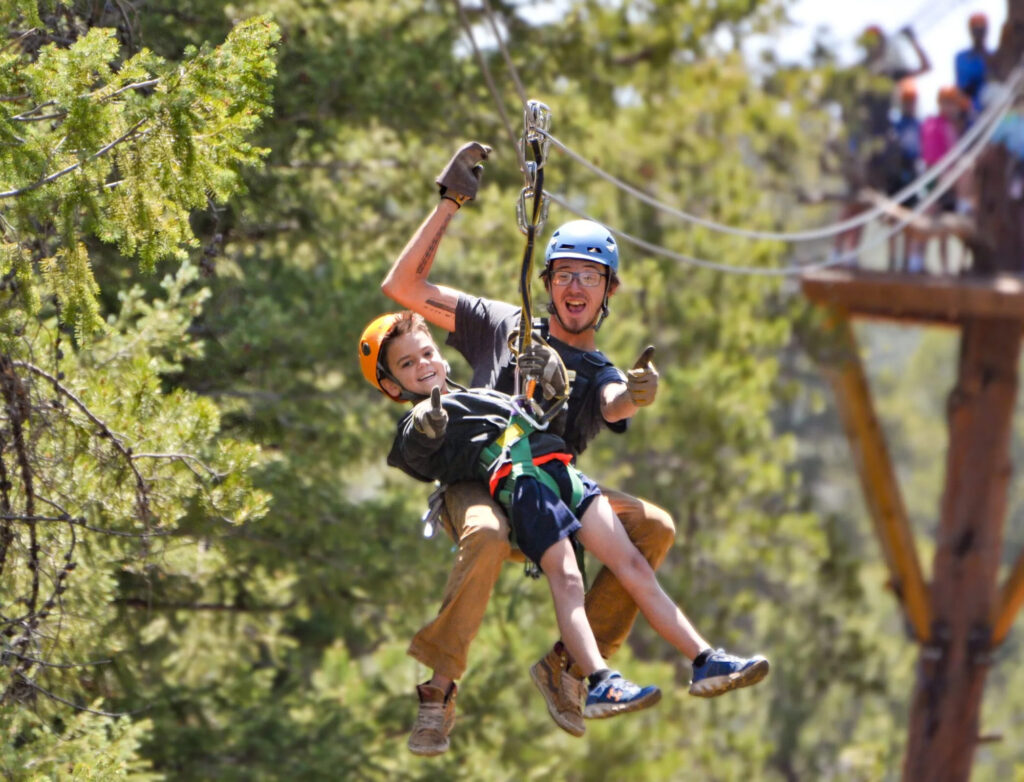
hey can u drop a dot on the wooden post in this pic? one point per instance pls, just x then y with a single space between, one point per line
998 243
945 710
877 475
1011 598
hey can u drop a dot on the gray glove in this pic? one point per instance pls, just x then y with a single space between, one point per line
540 362
429 418
460 179
642 379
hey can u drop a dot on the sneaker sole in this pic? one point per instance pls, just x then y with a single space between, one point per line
719 685
602 711
428 751
560 721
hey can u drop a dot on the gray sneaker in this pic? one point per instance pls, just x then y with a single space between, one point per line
434 720
562 691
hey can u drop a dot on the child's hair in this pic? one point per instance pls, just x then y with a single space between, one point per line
406 322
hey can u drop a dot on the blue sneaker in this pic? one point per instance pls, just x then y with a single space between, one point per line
616 695
722 672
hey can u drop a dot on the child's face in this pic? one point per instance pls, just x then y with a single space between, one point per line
416 362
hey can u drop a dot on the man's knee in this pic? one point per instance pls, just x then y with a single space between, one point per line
661 530
486 540
649 527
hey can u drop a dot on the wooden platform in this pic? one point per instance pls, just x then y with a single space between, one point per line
923 298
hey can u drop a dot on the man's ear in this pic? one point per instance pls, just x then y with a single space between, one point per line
613 285
390 387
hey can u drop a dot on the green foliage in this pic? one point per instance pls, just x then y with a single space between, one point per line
247 605
124 147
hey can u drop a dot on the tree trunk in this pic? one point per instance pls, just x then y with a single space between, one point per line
944 719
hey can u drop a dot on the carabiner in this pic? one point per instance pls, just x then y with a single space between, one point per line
522 212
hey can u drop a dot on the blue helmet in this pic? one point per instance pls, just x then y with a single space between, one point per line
585 240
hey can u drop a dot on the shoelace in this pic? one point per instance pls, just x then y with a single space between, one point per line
431 718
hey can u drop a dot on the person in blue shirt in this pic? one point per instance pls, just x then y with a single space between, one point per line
972 64
903 164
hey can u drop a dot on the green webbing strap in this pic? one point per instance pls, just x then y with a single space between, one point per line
514 445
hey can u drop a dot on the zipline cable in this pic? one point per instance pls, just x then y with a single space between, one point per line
506 55
992 115
952 159
481 60
943 186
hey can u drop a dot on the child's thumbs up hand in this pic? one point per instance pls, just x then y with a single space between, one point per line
429 418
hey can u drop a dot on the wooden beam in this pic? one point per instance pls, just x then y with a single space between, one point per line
916 298
946 707
1011 598
877 476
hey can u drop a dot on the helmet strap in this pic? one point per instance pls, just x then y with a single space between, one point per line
406 395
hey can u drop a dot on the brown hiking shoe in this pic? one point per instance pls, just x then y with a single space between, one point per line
434 720
562 691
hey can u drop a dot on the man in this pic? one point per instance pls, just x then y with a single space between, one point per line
580 275
972 64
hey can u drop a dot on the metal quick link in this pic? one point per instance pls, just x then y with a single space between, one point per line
432 515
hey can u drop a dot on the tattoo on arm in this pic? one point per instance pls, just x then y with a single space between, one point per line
440 305
428 256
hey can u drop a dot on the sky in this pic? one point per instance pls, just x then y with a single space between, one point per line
941 35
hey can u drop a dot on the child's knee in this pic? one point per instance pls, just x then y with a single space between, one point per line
565 577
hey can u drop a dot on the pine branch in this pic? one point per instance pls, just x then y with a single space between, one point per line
141 494
130 134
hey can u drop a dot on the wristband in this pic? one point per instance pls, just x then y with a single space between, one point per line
458 198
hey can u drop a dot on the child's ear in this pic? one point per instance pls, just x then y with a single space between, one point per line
390 386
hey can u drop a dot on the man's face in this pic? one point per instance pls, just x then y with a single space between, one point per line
978 34
416 363
577 304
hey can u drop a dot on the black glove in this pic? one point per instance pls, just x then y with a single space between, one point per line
540 362
429 418
460 179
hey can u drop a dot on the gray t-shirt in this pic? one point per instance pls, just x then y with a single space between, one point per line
482 328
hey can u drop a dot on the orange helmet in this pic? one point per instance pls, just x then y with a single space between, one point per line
908 88
977 21
951 93
369 351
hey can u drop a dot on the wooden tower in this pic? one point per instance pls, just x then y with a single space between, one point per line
962 614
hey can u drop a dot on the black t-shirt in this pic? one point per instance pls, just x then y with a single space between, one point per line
482 328
475 418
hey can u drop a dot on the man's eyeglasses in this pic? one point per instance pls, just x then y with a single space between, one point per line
588 279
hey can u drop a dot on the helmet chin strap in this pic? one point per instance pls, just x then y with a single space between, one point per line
406 395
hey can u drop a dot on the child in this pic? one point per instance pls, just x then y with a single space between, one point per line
481 435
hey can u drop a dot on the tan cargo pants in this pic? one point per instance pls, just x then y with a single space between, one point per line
477 525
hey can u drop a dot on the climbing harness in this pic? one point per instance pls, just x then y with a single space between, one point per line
509 458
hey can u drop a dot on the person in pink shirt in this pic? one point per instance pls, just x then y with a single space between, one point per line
939 135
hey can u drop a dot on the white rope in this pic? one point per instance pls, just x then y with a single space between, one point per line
962 164
992 115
